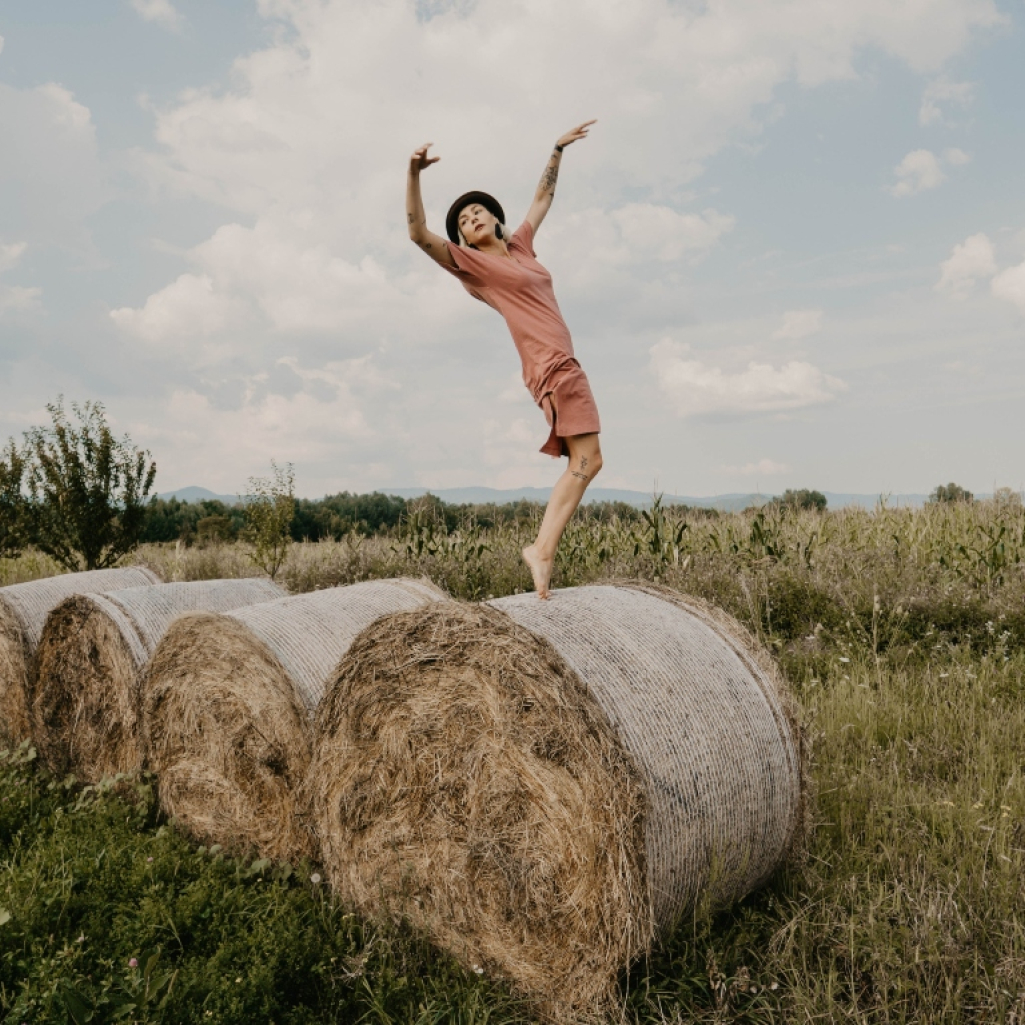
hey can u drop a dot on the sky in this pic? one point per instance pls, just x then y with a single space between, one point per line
791 252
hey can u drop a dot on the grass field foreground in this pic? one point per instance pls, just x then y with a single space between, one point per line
902 633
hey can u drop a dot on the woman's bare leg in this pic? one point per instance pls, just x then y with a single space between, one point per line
584 462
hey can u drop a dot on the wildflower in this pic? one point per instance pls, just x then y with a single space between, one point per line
149 859
773 986
133 962
81 939
315 878
843 658
238 980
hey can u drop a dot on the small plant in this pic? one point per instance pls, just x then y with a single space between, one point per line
88 488
269 511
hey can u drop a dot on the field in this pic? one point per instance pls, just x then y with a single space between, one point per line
902 633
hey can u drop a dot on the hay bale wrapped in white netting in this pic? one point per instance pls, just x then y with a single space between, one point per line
228 703
546 787
23 612
86 700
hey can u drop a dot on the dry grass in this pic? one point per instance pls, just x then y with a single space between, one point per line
228 737
464 778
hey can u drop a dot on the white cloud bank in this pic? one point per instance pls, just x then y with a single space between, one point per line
941 93
699 389
763 468
798 324
162 12
1009 285
305 148
971 260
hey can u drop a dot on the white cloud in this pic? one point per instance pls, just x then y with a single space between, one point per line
16 299
969 261
799 324
325 415
160 11
696 388
51 179
10 254
1009 285
763 468
918 171
956 157
943 92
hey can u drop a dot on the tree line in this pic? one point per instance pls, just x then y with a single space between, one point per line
83 496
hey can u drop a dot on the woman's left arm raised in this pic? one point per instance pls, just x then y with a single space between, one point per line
546 187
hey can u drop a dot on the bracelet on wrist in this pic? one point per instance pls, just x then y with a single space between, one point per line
558 148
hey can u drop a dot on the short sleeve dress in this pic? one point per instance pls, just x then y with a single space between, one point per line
521 290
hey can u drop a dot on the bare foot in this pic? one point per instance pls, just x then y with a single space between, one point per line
540 570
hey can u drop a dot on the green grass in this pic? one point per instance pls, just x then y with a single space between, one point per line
903 635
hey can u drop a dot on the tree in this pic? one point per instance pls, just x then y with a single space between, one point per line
270 507
802 498
951 493
88 488
12 501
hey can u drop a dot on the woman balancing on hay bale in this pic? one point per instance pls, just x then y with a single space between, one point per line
502 270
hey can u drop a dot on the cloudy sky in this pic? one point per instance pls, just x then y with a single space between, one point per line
791 253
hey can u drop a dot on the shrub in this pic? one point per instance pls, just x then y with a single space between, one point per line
88 489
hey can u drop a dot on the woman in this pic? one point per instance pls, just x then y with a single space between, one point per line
502 270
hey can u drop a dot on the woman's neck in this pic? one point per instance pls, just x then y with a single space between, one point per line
494 246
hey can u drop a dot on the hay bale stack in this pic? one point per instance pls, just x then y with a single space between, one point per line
546 787
23 612
86 702
228 704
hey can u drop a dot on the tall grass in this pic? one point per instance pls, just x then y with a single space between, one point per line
902 633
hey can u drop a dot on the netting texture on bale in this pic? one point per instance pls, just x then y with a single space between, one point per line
464 778
228 703
545 787
23 612
86 701
703 712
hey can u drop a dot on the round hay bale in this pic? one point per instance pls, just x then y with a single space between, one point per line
23 612
86 702
228 703
546 787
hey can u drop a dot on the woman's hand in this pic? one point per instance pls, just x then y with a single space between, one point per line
419 160
580 132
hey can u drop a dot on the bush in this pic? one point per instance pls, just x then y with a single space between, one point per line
88 489
951 493
12 501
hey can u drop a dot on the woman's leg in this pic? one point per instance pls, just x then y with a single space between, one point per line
584 463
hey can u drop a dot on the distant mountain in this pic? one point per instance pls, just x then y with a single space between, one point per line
639 499
197 494
642 499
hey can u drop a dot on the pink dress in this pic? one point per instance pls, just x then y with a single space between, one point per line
521 290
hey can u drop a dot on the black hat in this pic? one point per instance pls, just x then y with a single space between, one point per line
488 202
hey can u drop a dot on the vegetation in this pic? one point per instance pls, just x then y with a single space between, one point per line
802 498
269 512
902 633
12 505
88 489
951 493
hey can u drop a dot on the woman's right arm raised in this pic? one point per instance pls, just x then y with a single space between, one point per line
433 245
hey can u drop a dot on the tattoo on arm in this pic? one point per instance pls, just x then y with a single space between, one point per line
580 476
409 217
549 178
